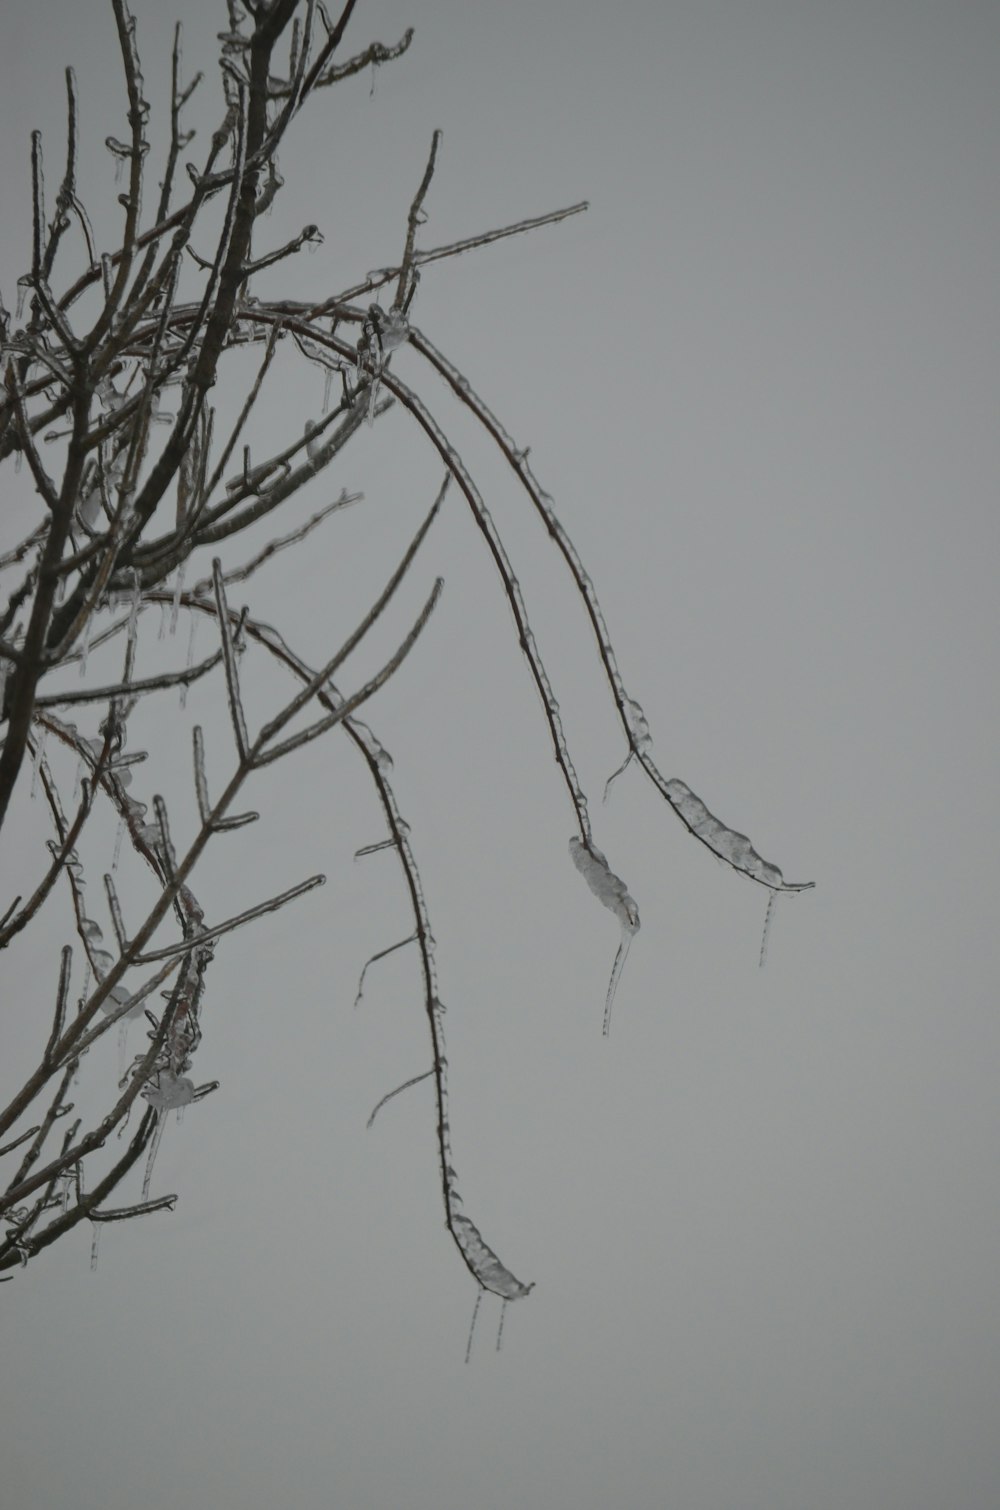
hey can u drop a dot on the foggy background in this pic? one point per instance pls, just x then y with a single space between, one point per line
759 378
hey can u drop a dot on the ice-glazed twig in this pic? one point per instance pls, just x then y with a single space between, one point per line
472 1323
272 905
316 682
241 573
295 741
141 1208
414 1080
404 288
411 938
512 588
160 683
200 779
485 1266
729 845
612 892
244 413
636 729
229 658
482 1262
114 907
62 996
165 848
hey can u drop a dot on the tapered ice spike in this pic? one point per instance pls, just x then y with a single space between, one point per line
189 658
487 1268
472 1324
503 1313
772 902
175 602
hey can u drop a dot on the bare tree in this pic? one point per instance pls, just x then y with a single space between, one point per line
111 374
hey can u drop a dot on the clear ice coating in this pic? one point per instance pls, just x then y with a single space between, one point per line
725 842
483 1262
608 888
612 892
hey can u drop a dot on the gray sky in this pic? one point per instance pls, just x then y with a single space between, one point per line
759 379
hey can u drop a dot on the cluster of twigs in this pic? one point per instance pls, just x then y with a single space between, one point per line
115 355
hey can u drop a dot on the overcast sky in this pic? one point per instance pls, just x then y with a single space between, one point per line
759 378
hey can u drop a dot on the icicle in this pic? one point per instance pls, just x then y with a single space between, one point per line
22 294
122 1047
373 849
327 389
94 1243
472 1327
772 902
85 645
314 443
151 1160
612 892
119 836
161 633
616 970
189 659
175 606
503 1313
